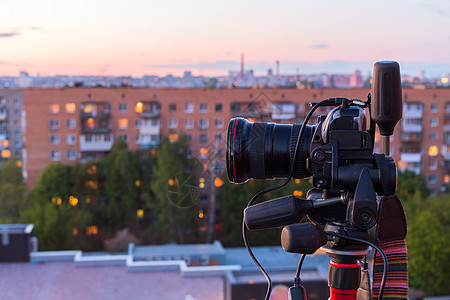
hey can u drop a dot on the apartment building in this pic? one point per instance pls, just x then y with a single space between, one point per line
79 124
11 125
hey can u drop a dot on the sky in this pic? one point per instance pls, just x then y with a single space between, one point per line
160 37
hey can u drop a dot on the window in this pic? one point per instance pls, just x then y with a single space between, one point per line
17 144
54 108
219 123
70 108
17 133
434 122
16 101
70 139
203 123
203 107
433 164
16 112
123 123
56 155
54 124
432 179
70 123
433 136
54 139
71 155
172 107
218 107
123 108
188 123
188 138
173 123
189 153
189 108
434 107
203 138
123 137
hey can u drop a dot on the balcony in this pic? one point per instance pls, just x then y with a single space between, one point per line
105 114
150 114
283 111
96 130
96 142
148 141
446 152
412 125
411 157
411 137
3 114
413 110
150 129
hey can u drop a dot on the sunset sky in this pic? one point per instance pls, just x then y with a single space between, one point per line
133 37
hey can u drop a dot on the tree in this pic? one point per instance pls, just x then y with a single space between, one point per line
174 192
12 191
119 172
59 222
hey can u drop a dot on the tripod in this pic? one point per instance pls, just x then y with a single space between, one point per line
346 250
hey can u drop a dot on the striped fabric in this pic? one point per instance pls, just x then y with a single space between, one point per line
397 277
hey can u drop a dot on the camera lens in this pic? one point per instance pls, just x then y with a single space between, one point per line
265 150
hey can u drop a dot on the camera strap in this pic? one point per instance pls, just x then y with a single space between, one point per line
391 233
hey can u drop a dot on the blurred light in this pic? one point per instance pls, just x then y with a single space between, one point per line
171 182
205 167
310 180
137 183
5 143
433 151
70 107
88 199
400 164
200 214
201 185
444 80
218 182
59 201
90 123
140 213
6 153
173 138
446 178
298 193
377 135
91 230
123 123
75 231
203 151
73 201
297 181
54 108
139 108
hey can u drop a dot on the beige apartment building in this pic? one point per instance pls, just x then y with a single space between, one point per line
78 124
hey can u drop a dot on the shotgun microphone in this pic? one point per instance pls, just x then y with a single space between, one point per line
386 96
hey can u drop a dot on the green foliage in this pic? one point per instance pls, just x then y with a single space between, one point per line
428 238
233 200
12 191
119 171
58 227
174 191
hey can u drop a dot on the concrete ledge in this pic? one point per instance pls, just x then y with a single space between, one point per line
49 256
100 260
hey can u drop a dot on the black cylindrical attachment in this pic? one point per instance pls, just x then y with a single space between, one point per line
277 212
386 96
302 238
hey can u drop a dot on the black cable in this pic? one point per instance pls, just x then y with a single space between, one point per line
299 267
267 190
385 261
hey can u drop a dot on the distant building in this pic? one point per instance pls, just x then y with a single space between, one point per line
78 124
11 123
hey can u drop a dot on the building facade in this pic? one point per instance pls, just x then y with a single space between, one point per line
78 124
11 122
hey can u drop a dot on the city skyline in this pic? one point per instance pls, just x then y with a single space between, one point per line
158 38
